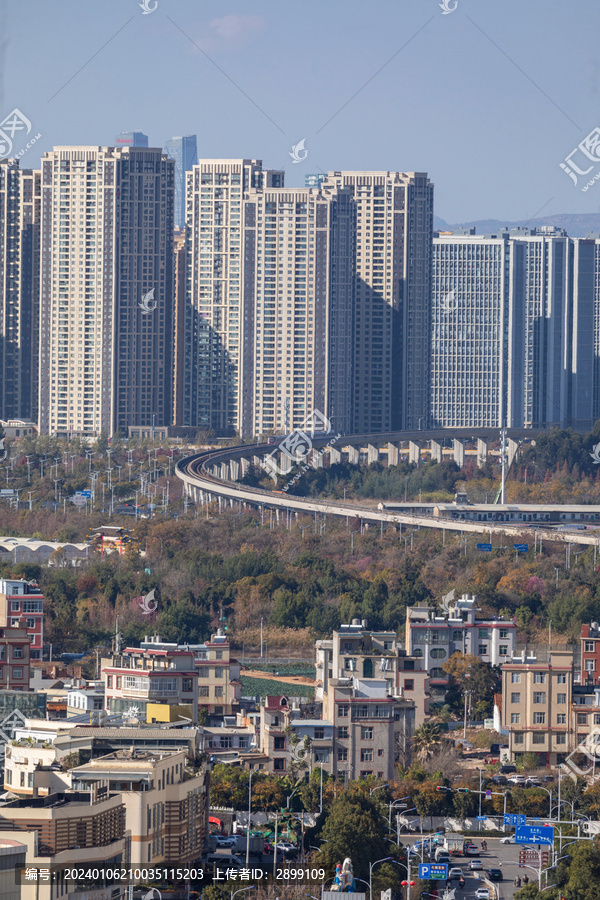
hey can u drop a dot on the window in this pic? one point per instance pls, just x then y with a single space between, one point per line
380 753
561 719
539 738
17 672
343 710
539 718
8 776
364 773
515 678
119 681
515 697
342 732
30 623
366 734
342 754
589 665
22 782
186 684
218 691
218 672
539 696
279 743
539 678
503 650
279 765
561 698
457 636
409 684
515 718
562 678
596 718
483 633
437 673
15 605
438 653
17 653
589 645
203 672
366 755
518 737
225 743
319 734
483 650
503 633
581 719
109 681
417 653
561 738
203 690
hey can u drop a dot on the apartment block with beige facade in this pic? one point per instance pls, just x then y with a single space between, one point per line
536 706
106 243
166 810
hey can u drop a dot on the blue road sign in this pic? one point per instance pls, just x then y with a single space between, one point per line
522 548
486 547
429 871
488 795
515 819
86 494
481 818
534 834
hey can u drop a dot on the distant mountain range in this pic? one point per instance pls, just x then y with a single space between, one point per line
575 225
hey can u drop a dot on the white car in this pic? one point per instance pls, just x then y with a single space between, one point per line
507 840
229 841
455 872
475 864
482 894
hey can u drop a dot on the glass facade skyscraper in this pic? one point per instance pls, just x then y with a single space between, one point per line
184 151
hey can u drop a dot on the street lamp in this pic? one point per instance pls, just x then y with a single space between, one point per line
249 817
393 803
378 788
233 893
386 859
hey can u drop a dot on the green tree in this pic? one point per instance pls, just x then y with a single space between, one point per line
427 740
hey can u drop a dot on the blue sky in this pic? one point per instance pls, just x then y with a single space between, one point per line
488 99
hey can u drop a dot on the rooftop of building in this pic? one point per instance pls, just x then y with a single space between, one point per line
134 759
52 801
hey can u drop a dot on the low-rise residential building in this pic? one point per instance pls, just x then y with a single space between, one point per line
166 810
15 647
536 706
219 684
433 638
86 699
22 606
291 743
356 651
155 682
590 653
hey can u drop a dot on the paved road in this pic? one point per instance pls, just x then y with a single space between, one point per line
497 856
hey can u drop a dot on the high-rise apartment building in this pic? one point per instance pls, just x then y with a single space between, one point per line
393 297
19 290
216 324
583 329
106 290
179 279
469 325
299 268
131 139
184 151
537 338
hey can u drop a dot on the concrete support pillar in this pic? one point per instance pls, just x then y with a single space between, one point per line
414 452
436 451
224 471
335 456
459 452
257 462
393 454
511 451
317 459
372 454
482 452
244 466
353 456
234 469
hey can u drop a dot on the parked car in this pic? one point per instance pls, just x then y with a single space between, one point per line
475 864
500 779
228 841
509 839
533 782
455 872
495 874
507 769
482 894
517 780
547 778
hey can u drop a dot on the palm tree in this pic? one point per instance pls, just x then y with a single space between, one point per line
427 739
